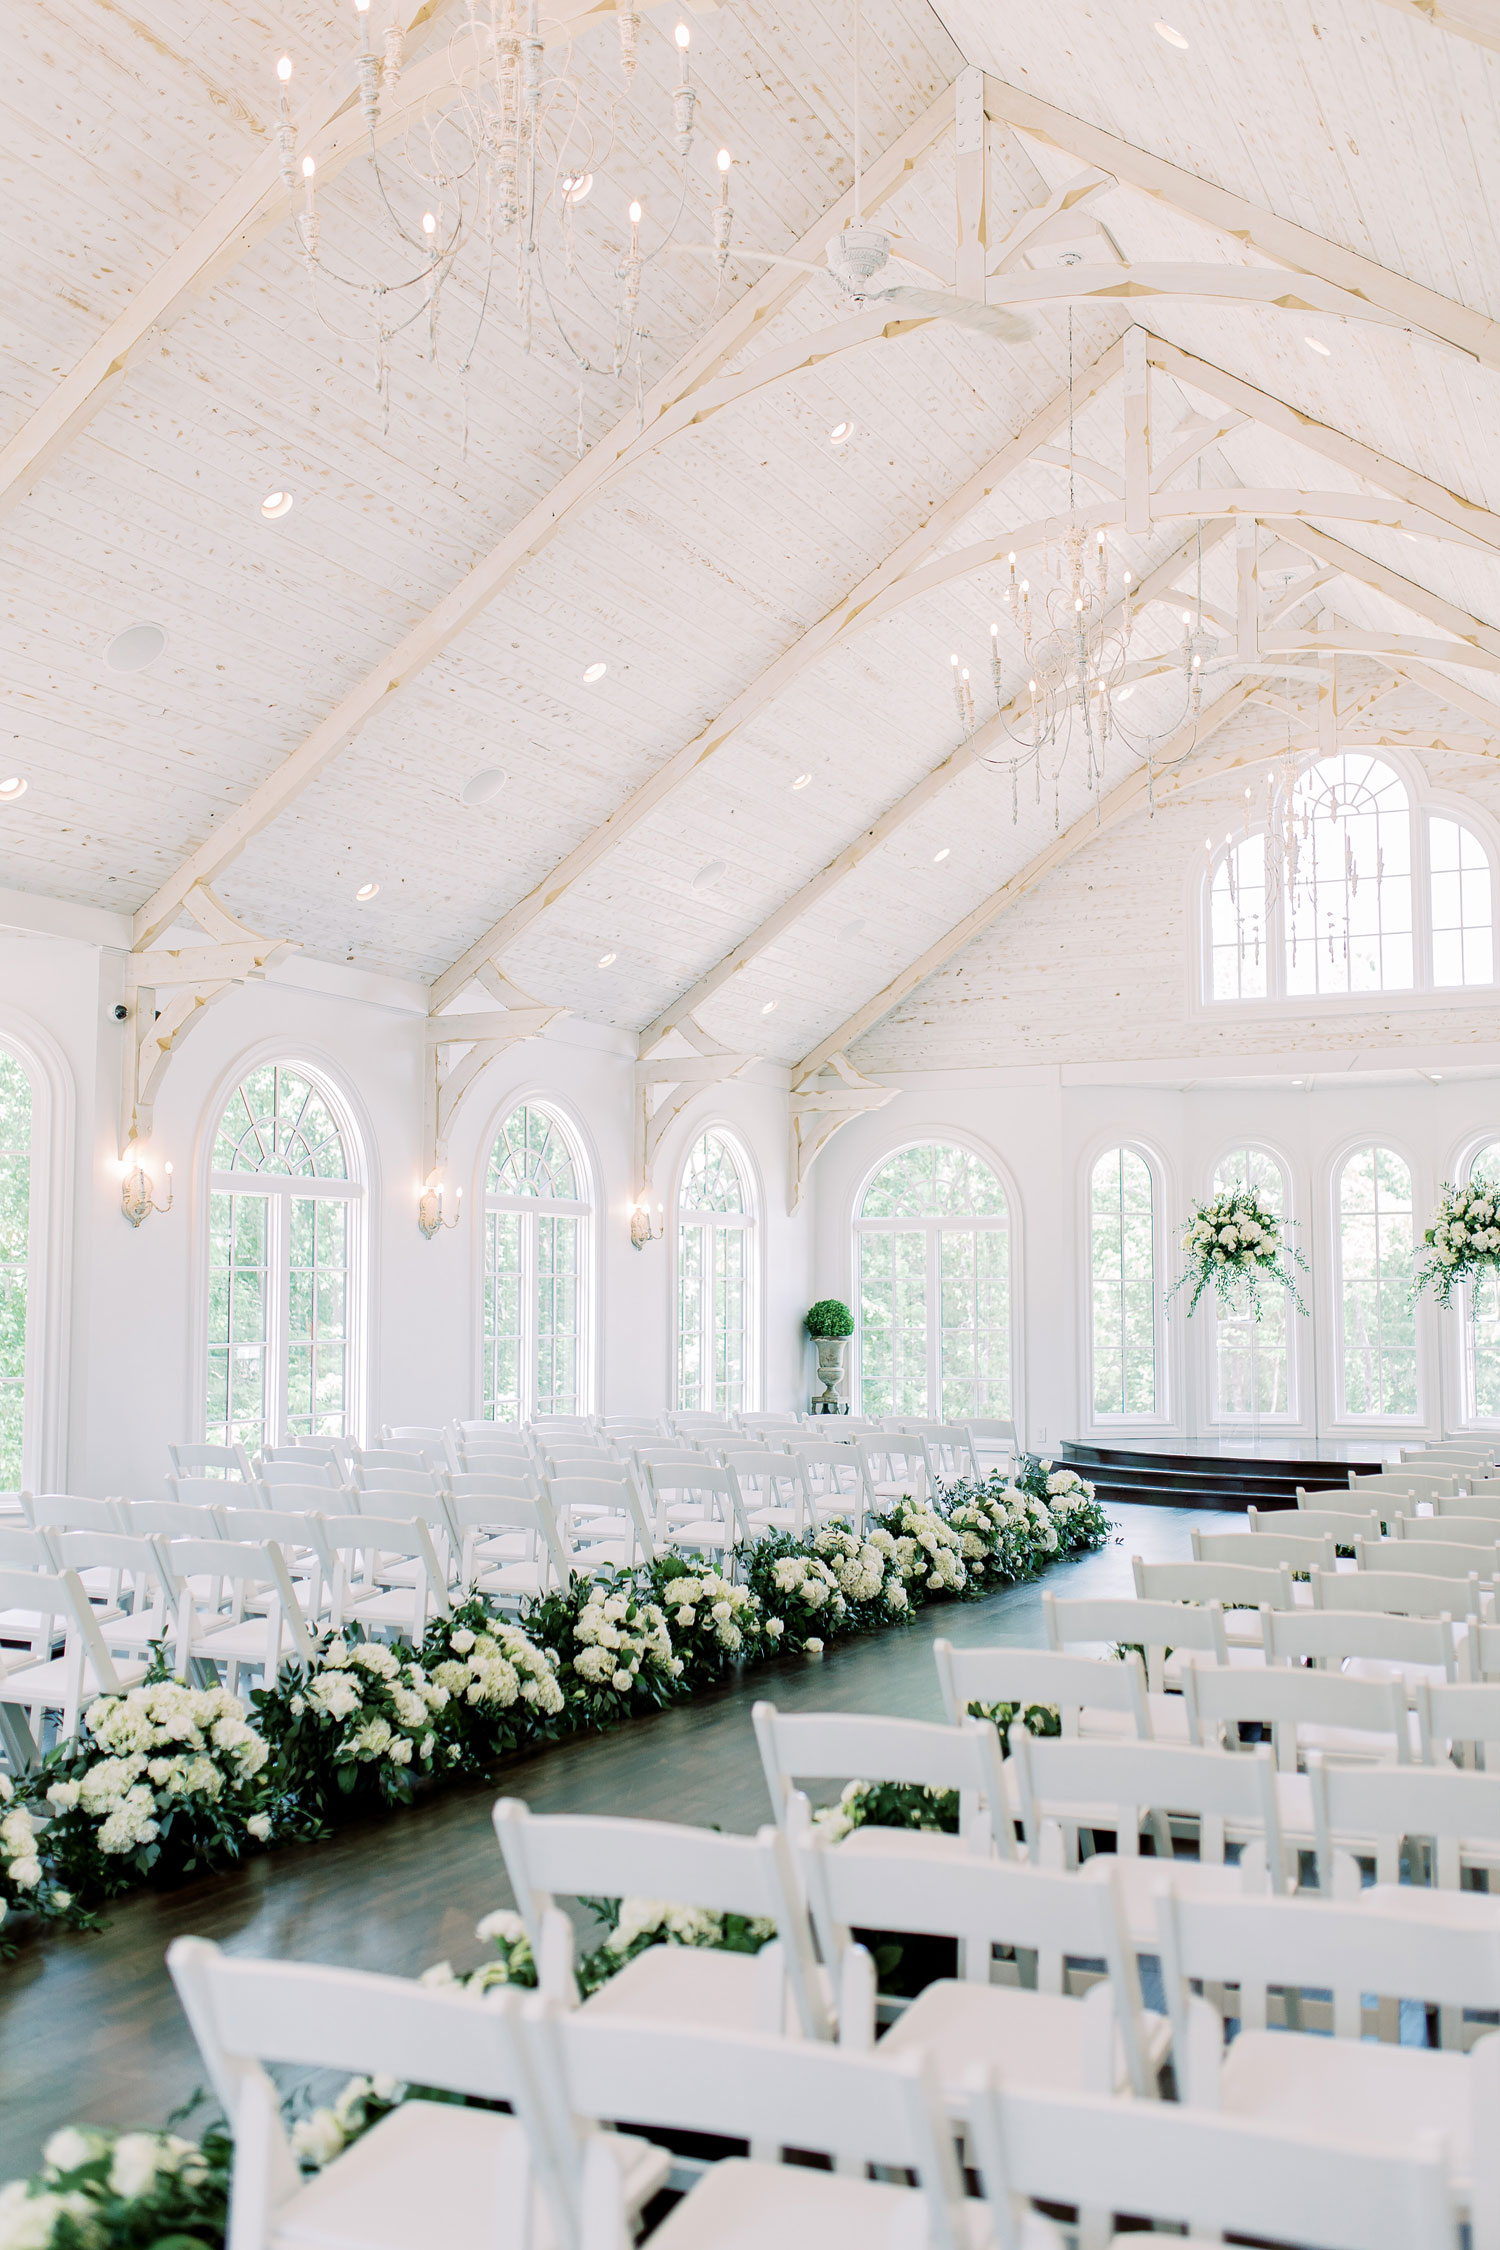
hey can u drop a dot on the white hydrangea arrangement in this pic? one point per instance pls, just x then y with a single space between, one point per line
926 1549
503 1687
100 2189
714 1623
25 1875
1233 1245
361 1719
165 1778
1463 1242
799 1590
614 1648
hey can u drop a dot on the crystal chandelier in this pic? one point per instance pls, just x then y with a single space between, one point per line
477 197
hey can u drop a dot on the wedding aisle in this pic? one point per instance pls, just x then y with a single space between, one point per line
90 2028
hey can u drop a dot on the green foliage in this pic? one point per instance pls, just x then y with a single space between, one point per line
100 2190
714 1623
358 1724
502 1686
829 1317
613 1648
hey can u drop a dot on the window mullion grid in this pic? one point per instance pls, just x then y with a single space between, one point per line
934 1318
279 1315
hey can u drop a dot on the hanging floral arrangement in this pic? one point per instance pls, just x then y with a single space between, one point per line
1463 1242
1234 1244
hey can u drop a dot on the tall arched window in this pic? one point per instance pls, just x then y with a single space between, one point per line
536 1213
283 1261
933 1284
1481 1318
15 1261
714 1273
1348 887
1122 1256
1252 1369
1378 1344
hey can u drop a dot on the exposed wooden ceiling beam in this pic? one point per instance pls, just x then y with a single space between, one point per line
1321 547
1123 800
489 577
1475 20
992 736
1297 248
1334 445
880 587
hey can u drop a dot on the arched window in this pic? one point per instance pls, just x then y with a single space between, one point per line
932 1241
1252 1370
1481 1320
283 1257
714 1275
1122 1258
15 1262
1348 887
536 1212
1378 1344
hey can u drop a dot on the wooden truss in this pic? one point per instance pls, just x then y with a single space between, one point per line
823 1101
665 1084
460 1047
167 989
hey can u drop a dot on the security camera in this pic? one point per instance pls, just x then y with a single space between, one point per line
121 1011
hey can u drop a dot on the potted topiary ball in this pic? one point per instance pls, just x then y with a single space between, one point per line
830 1325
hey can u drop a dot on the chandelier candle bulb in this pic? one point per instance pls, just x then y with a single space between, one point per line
307 225
684 94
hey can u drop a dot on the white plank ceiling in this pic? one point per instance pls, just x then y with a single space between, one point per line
691 573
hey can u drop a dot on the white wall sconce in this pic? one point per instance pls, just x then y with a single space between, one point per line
137 1189
641 1229
430 1211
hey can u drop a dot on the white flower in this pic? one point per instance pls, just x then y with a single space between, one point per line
135 2164
460 1642
70 2148
259 1825
501 1928
28 2222
622 1681
318 2139
813 1648
26 1873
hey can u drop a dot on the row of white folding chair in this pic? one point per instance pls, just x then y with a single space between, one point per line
67 1663
1450 1546
1417 1580
231 1461
566 2075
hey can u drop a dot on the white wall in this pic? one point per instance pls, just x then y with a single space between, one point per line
129 1359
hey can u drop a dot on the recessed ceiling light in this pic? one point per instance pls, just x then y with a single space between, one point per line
135 648
482 786
841 432
1296 1081
276 504
707 876
854 929
606 960
1170 33
14 787
595 671
1324 351
939 857
768 1007
577 187
1436 1076
802 781
366 891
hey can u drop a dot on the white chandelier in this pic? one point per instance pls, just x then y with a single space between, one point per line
478 195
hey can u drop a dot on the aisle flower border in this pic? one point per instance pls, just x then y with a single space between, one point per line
170 1780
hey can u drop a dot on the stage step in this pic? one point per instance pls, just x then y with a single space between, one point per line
1206 1480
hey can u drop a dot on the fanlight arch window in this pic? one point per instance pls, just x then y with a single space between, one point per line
537 1209
715 1278
1125 1294
1252 1361
1378 1327
1481 1316
16 1124
933 1286
1348 887
284 1263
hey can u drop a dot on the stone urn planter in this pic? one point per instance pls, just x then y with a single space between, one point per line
831 1351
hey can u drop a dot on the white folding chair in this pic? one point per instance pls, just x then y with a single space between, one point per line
1368 1812
777 2093
142 1611
836 1486
1103 1696
1165 1632
1342 1526
894 1467
46 1511
511 1550
844 1746
695 1507
1459 1724
1071 1786
228 1626
1102 2044
1325 1963
1479 1654
1442 1530
1339 1499
993 1438
772 1489
1448 1558
295 1464
1404 1483
32 1687
1412 1593
429 2171
223 1461
364 1548
950 1455
307 1555
1481 1503
567 1855
1367 1644
211 1492
1303 1553
1211 2175
426 1437
1234 1584
30 1629
603 1518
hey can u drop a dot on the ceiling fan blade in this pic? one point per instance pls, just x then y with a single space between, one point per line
964 312
738 250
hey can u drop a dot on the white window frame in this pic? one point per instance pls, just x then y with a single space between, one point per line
532 1208
747 1222
933 1227
1339 1418
1163 1419
1423 806
1459 1317
1292 1419
279 1188
44 1436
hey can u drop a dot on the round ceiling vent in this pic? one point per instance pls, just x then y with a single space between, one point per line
135 648
483 787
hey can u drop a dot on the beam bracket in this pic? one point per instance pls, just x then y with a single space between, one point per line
823 1101
666 1083
450 1076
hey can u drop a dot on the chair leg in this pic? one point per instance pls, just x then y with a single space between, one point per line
20 1747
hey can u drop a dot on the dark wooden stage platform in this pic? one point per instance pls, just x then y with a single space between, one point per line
1179 1475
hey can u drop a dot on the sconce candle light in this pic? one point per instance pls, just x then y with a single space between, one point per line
430 1210
137 1192
641 1229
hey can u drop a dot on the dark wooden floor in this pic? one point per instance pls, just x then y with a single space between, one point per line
90 2029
